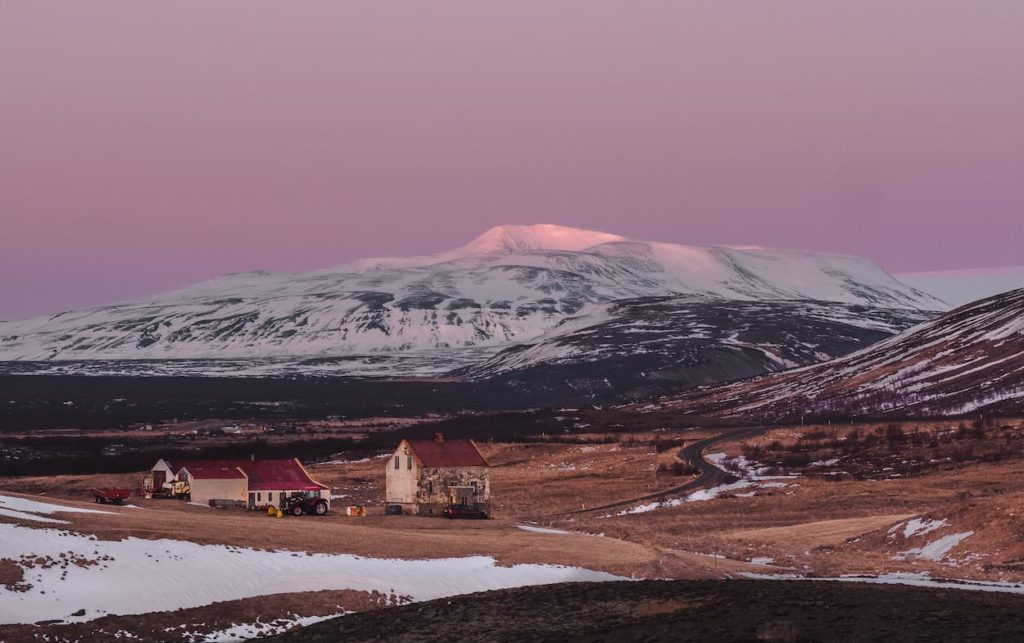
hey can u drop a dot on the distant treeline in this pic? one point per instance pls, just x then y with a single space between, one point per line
50 454
38 402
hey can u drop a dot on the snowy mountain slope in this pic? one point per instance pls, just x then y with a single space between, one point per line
655 344
663 337
510 285
968 360
959 287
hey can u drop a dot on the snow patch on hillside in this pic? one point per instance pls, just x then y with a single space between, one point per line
938 549
116 577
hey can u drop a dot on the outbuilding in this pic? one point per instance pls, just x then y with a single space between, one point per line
255 483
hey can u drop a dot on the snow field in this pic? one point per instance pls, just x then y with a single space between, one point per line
117 577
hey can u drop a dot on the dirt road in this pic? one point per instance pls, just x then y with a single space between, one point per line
710 474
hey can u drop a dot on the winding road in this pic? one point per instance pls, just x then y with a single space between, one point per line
710 475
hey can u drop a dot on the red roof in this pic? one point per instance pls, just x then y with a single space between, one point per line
211 469
449 453
272 475
269 475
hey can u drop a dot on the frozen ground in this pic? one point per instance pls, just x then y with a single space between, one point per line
75 577
922 579
751 474
25 509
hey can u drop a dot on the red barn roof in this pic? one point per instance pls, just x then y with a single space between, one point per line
272 475
269 475
210 469
447 453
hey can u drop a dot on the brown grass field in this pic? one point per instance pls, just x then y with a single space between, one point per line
811 522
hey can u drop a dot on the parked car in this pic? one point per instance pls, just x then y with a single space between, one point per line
464 511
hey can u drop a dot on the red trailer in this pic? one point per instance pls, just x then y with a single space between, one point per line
110 495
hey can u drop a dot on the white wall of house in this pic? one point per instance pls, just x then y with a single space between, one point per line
402 476
204 490
161 466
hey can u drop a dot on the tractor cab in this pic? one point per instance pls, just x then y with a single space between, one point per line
307 501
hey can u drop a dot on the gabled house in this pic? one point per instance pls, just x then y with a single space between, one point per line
257 483
425 476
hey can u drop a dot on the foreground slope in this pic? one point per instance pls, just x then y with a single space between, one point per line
968 360
731 610
510 285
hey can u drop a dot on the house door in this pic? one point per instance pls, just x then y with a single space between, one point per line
159 478
252 501
463 495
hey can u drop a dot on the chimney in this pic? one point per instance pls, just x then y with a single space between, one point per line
439 438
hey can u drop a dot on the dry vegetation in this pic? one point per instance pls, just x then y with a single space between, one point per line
818 521
892 450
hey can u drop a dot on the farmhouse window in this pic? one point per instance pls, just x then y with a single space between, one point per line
430 488
397 460
408 462
258 499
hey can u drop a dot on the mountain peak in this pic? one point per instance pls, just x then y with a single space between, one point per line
505 239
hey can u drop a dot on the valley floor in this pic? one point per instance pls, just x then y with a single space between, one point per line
935 520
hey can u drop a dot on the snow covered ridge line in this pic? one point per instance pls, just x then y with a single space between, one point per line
192 575
510 285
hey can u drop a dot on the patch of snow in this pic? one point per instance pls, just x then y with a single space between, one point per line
245 631
544 530
696 496
937 549
825 463
24 508
905 578
118 576
918 526
762 560
21 515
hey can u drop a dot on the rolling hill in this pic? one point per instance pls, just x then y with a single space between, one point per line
967 361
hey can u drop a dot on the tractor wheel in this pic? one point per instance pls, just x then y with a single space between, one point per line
320 508
297 510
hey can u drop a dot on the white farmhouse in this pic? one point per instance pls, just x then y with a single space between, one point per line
425 476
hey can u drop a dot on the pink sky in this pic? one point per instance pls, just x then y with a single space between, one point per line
144 146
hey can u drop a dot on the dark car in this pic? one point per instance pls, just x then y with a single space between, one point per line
464 511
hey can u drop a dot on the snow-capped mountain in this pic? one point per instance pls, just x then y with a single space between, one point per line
968 360
510 285
650 344
958 287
